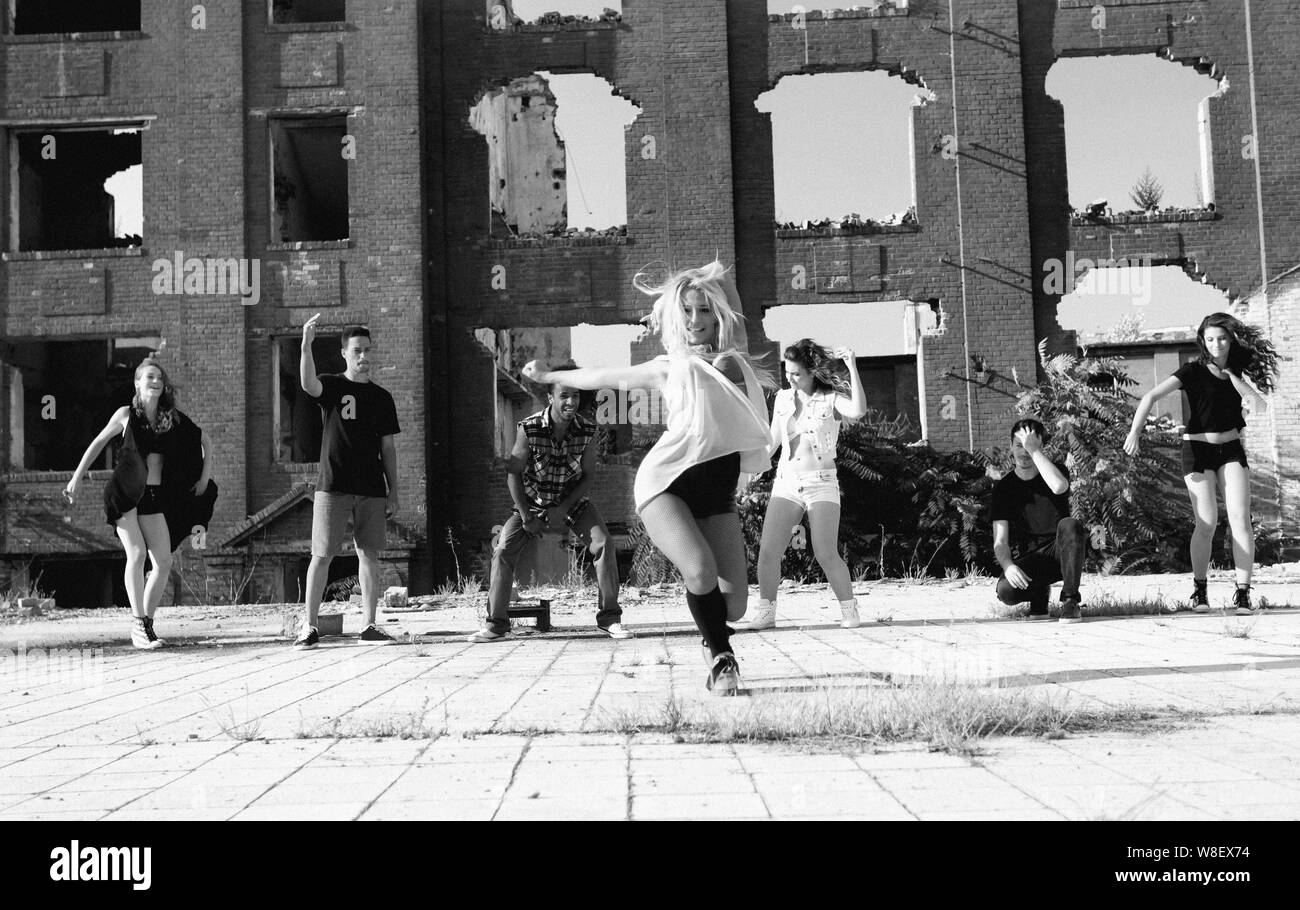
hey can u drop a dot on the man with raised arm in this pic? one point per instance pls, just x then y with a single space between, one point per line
358 474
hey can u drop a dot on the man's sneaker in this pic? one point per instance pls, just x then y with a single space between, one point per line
724 676
1241 604
140 636
616 630
148 629
376 635
309 639
763 617
1070 611
1199 602
487 633
1038 617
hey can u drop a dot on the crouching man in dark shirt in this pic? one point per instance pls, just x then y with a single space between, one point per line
1035 540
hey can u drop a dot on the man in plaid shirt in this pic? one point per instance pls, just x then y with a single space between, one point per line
548 474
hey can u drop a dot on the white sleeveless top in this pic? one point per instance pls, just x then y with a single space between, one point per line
708 417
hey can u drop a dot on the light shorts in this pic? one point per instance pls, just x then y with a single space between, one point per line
807 487
329 521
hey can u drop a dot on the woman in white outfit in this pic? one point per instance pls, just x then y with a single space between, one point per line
716 427
806 427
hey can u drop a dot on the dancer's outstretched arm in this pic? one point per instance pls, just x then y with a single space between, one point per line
115 425
648 375
1144 408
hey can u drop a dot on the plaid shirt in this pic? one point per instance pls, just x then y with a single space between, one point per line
554 468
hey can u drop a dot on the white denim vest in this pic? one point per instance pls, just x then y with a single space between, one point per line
817 424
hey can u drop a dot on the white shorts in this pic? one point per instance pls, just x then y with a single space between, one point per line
807 487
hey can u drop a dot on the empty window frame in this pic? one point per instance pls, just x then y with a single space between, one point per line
1130 117
842 147
292 12
61 17
557 153
61 393
77 189
295 414
309 184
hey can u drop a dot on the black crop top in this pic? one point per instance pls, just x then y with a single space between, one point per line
147 441
1215 403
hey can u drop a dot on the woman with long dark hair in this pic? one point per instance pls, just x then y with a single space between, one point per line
161 487
824 388
716 427
1236 363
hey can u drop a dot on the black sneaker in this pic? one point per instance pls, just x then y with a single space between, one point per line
724 677
307 640
154 640
376 636
1070 611
1199 602
1241 602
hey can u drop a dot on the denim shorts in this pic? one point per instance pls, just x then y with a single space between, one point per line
807 487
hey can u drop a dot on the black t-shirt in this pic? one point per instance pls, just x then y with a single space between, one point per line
1032 510
357 415
1214 404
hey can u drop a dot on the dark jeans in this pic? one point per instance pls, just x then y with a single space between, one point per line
1061 560
510 545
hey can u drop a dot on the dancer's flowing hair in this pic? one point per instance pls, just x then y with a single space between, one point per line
166 401
1252 355
828 374
668 318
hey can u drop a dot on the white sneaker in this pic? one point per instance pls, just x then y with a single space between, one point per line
140 636
763 617
616 630
849 610
486 634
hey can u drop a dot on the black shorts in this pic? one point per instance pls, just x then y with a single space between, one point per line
152 502
709 488
1199 457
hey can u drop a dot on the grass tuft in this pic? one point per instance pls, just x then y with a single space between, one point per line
948 716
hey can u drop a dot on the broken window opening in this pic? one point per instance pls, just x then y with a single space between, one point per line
62 17
310 178
627 425
1115 136
1142 315
290 12
842 149
543 129
887 359
552 12
79 189
782 7
296 416
76 581
61 393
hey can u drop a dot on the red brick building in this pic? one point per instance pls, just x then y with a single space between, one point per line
336 145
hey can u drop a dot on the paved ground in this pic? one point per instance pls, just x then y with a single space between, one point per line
229 722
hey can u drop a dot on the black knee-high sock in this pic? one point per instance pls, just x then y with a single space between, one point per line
710 614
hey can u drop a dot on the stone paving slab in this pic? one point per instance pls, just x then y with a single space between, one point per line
231 723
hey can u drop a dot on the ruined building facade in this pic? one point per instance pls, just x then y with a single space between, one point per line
381 163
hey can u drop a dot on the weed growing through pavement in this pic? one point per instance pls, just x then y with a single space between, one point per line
1242 627
245 730
401 725
948 716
